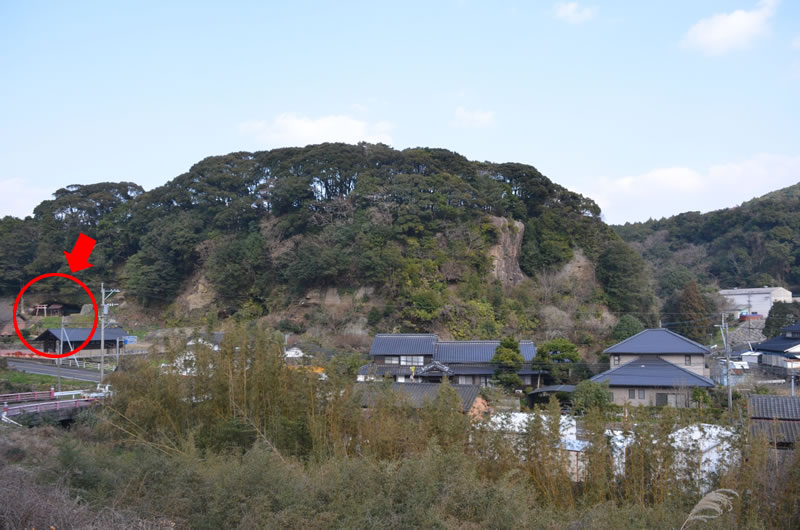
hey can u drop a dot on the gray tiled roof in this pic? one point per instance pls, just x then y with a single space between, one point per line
381 370
773 407
477 351
465 351
777 431
657 341
453 351
793 327
778 344
527 349
528 370
472 369
554 388
79 334
456 368
418 394
652 372
403 344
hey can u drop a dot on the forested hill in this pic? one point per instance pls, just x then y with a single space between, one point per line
263 228
754 244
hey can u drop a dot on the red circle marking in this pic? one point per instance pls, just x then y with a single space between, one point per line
91 333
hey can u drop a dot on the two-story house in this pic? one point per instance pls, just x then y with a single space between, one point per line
655 367
663 343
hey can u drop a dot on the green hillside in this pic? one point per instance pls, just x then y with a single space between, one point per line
418 227
754 244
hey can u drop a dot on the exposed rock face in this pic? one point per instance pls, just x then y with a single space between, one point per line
332 297
200 294
507 250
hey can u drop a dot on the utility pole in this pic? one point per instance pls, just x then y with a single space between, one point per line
104 313
60 351
723 327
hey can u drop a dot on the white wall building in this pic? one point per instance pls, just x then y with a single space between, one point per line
756 300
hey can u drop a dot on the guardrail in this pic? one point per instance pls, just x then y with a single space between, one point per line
21 353
44 395
69 404
27 396
70 393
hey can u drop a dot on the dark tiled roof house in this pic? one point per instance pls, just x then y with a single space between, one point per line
423 357
74 337
662 343
781 355
655 367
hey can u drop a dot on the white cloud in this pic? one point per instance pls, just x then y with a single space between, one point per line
723 32
293 130
669 191
19 198
573 13
796 43
472 119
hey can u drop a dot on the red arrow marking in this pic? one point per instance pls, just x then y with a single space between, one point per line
78 259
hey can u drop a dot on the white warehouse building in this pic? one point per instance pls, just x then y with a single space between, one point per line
756 300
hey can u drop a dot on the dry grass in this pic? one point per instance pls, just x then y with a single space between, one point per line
712 506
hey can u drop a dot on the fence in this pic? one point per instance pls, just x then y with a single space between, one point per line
27 396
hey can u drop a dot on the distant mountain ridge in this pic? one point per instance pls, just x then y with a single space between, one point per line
754 244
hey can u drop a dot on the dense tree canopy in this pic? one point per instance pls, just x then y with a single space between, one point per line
623 273
267 226
691 314
780 316
508 361
753 244
628 326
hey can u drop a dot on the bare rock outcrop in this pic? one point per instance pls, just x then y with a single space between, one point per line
507 251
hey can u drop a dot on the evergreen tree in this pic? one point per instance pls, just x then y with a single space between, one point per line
623 274
508 360
628 326
780 316
588 395
557 356
695 321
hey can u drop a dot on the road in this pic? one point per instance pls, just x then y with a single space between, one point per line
35 367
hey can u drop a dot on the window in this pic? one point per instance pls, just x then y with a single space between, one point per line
641 393
391 360
464 380
616 359
611 397
687 360
401 379
412 360
631 393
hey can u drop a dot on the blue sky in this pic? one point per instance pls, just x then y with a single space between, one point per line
649 108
